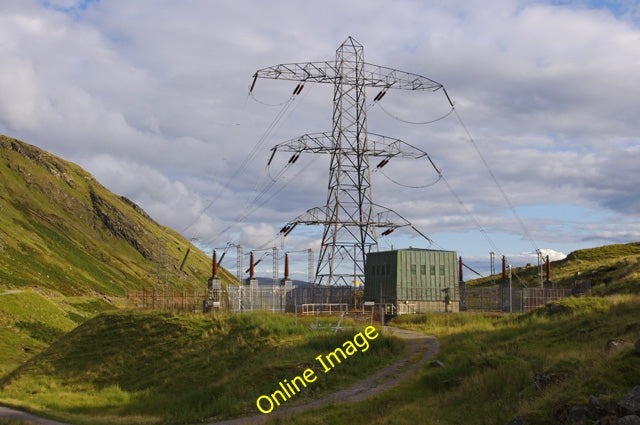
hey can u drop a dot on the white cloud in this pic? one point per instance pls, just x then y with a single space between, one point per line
260 235
553 255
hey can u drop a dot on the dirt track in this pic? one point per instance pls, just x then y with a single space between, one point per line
419 349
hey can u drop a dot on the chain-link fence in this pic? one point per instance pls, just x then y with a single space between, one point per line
505 299
329 299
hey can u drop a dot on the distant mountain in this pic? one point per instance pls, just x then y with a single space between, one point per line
61 230
268 281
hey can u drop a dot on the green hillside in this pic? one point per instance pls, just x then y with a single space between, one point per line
62 230
70 249
31 320
611 269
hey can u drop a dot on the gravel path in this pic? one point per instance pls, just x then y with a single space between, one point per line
420 348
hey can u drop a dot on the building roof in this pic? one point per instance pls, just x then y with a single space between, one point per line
415 249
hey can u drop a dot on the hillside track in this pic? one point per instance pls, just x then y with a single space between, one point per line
8 413
420 348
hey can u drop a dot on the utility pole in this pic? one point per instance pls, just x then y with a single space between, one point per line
348 216
510 291
493 266
539 254
310 264
238 271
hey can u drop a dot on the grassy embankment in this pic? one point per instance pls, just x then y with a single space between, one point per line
129 368
490 365
30 321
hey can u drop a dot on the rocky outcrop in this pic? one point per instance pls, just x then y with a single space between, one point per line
137 208
630 403
624 412
613 346
544 379
120 226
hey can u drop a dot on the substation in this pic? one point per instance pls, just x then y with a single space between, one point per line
349 217
351 273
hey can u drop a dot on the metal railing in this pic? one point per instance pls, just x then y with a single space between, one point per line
321 308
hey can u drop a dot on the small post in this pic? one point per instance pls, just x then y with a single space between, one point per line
381 307
510 294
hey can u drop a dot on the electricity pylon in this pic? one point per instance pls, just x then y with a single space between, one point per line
348 216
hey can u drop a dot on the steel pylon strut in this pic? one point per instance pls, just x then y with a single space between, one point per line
348 216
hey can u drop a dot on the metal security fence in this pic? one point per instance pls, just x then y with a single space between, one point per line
505 299
332 299
321 295
481 299
533 298
247 298
164 297
241 298
234 298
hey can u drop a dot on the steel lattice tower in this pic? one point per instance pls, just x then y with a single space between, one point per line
348 216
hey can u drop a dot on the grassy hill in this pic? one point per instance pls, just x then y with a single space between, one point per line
70 249
611 269
62 230
160 368
143 368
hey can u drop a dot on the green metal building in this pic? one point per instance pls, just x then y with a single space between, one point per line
412 280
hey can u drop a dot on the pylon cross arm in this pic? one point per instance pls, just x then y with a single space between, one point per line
377 146
381 76
319 72
385 218
326 72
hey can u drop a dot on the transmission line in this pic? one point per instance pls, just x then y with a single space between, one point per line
250 156
497 183
415 122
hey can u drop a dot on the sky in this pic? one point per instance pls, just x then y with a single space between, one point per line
152 98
